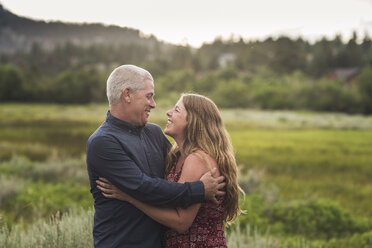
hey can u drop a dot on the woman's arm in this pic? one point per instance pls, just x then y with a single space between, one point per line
176 218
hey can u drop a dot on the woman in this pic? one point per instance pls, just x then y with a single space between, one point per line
201 143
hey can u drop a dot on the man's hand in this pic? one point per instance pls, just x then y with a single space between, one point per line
213 186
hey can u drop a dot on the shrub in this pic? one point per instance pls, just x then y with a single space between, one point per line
316 219
365 88
230 94
361 240
51 170
11 83
9 188
39 200
253 216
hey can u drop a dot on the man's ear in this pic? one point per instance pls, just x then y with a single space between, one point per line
126 95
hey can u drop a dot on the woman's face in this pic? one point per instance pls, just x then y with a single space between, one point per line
176 121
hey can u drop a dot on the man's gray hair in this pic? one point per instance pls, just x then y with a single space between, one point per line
125 76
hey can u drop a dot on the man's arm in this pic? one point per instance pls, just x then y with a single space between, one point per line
176 218
106 158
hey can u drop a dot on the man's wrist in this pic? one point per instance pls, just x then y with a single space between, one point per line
197 192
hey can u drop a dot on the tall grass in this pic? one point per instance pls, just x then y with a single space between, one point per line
73 229
248 238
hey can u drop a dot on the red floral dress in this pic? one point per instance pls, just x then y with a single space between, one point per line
207 230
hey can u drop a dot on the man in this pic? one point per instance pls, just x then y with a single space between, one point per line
130 153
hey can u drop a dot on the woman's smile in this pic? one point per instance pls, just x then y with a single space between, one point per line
176 123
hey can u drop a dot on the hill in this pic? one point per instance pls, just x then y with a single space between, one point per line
20 33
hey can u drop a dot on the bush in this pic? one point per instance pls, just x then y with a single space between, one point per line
9 188
365 88
316 219
39 200
273 97
51 170
230 94
253 216
11 83
361 240
328 95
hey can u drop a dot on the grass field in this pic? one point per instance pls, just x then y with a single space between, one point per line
283 157
333 164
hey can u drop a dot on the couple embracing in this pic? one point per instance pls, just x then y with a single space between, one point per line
148 193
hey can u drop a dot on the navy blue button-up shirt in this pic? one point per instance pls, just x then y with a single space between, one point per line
132 158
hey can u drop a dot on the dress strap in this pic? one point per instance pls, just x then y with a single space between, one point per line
181 167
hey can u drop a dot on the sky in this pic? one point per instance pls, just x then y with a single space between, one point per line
195 22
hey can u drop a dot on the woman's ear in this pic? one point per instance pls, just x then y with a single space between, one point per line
126 95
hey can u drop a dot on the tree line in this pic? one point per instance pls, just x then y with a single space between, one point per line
280 73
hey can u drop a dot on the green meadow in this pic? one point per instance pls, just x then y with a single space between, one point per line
307 176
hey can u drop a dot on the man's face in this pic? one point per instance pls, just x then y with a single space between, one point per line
141 103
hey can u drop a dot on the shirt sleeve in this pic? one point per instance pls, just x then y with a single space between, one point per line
107 159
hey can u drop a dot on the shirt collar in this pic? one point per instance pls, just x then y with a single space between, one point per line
123 125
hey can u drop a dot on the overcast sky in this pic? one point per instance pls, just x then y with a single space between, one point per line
198 21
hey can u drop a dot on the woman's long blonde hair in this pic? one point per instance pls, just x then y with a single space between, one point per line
205 131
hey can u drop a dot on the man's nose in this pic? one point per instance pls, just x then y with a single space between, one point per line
169 113
153 103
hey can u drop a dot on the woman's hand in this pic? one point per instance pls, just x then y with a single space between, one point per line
110 191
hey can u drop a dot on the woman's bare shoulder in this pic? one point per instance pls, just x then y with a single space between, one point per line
194 167
199 161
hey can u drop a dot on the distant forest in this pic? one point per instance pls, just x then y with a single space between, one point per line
275 73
